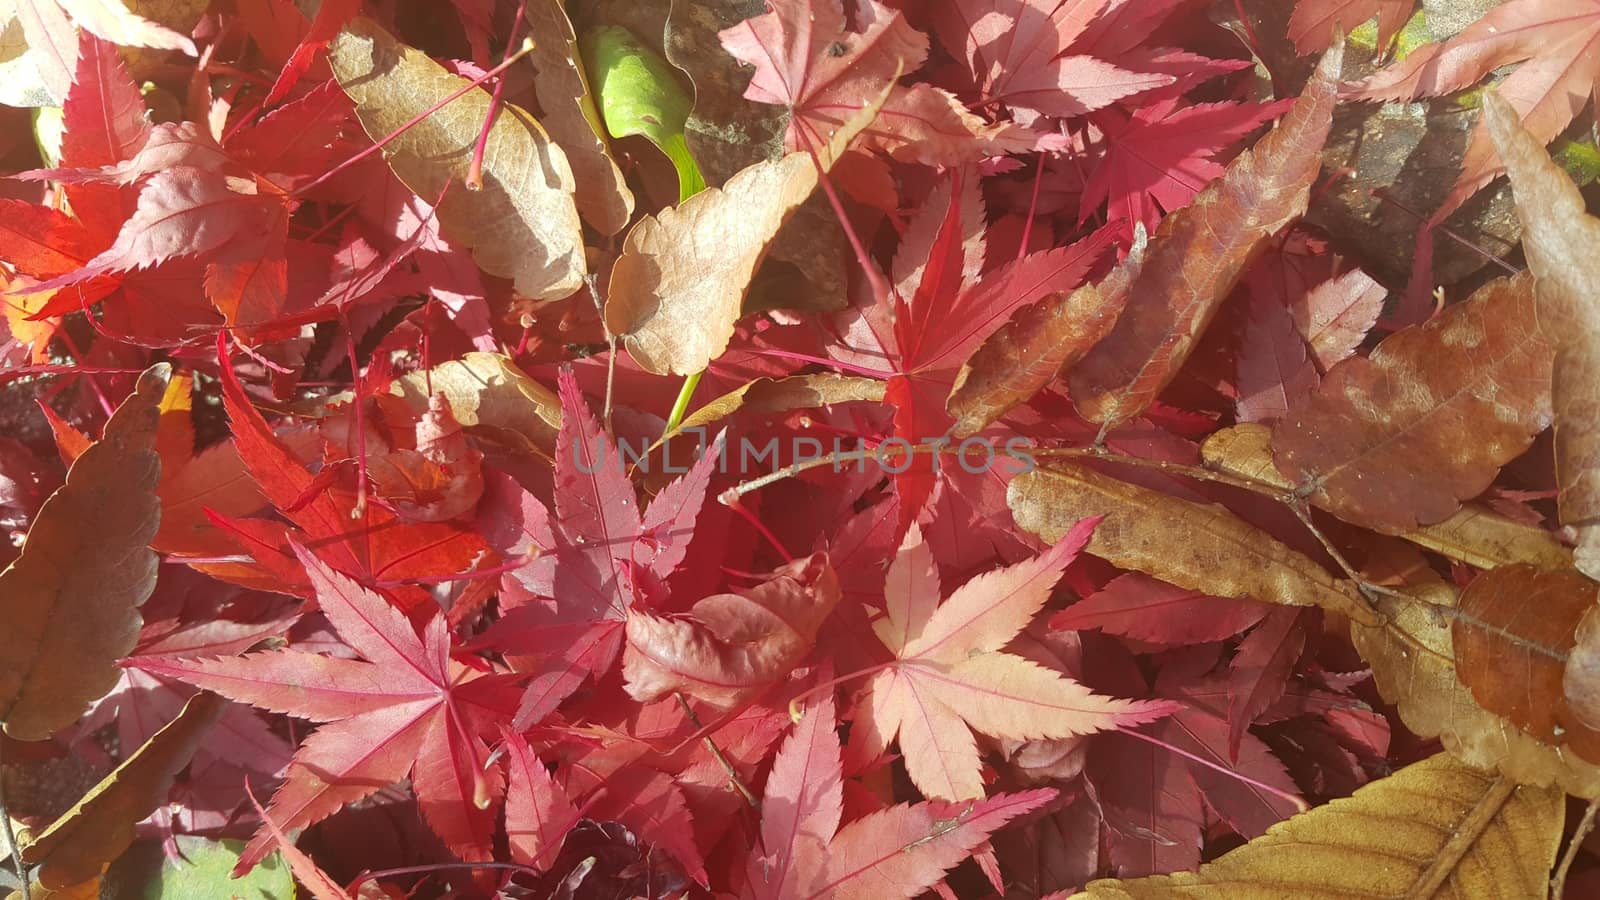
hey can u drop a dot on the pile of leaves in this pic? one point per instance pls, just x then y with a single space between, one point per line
797 449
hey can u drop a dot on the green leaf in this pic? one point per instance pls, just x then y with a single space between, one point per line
204 871
640 95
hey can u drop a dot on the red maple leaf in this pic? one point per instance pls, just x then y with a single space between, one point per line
406 708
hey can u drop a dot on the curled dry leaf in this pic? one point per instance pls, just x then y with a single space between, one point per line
523 224
1562 243
1039 341
603 198
1580 682
730 646
1400 438
1437 828
492 398
1475 535
769 395
1199 253
678 287
1513 632
1413 661
71 597
1217 553
84 840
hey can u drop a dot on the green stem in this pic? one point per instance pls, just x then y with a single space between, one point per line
680 407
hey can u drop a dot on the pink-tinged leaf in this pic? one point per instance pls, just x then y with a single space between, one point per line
1335 316
458 792
1260 670
113 21
806 61
952 679
1017 51
1247 808
595 501
50 39
913 580
1314 23
1274 370
731 646
1199 254
1137 606
331 16
802 806
308 685
668 524
650 803
538 811
1555 37
904 850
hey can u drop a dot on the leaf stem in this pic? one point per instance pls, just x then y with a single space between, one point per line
680 406
733 774
524 50
1299 804
475 169
12 849
1558 882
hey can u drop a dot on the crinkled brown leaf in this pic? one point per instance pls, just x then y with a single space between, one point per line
1201 547
70 600
730 646
679 285
1475 535
1039 341
1562 243
1437 828
1413 661
491 398
1199 253
1400 438
1513 634
603 198
769 395
523 224
84 840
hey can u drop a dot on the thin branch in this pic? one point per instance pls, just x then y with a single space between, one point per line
12 849
1558 883
733 774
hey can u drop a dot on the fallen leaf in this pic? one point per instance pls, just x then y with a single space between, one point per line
1562 242
1335 316
1137 606
951 678
113 21
725 131
570 116
679 285
730 646
1439 827
538 812
523 224
1198 255
72 597
897 852
84 840
491 397
1400 438
640 95
1219 554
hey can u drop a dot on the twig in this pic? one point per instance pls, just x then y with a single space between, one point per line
611 348
1558 882
12 849
733 774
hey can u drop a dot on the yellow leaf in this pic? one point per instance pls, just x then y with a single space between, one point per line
523 224
1201 547
70 600
1437 828
79 845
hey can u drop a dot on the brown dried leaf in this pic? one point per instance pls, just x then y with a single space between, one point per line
1201 547
725 131
71 597
1413 660
1562 243
603 198
1475 535
1580 683
1199 253
492 398
1400 438
1035 344
1513 634
85 839
1437 828
523 224
679 285
768 395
